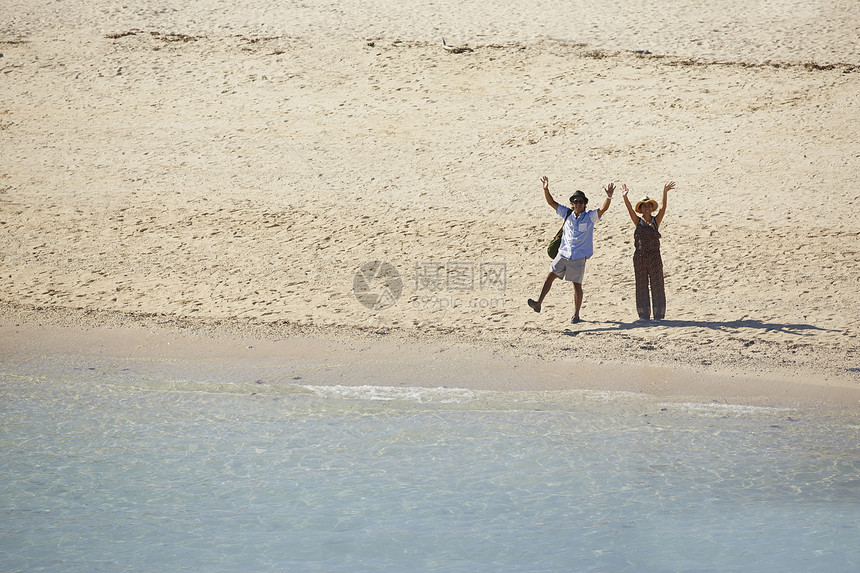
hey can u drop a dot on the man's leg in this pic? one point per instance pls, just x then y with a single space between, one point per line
550 278
577 300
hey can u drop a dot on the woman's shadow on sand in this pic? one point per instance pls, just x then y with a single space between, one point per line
730 325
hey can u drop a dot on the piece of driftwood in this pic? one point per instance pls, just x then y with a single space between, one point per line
456 49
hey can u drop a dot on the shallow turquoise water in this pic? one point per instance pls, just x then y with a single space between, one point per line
112 470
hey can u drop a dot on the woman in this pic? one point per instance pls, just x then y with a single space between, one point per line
647 263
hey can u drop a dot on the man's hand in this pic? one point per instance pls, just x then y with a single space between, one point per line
546 194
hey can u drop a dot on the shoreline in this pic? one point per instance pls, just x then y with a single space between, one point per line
324 356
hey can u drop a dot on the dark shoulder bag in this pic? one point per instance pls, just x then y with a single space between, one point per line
552 249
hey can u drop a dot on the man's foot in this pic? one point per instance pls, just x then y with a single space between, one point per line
535 305
575 319
640 320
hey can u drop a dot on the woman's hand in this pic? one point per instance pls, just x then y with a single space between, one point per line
633 216
610 189
668 186
545 181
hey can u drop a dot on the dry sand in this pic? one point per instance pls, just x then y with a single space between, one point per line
222 169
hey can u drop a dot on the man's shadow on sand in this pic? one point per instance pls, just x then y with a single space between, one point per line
616 326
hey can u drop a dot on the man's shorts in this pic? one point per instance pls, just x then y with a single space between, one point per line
572 270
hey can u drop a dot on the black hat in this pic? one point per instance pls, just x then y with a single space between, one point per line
579 195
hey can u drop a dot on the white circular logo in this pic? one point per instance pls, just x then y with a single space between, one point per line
377 285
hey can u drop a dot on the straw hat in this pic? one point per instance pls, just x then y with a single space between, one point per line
645 200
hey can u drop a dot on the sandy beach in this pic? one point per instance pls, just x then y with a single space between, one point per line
230 176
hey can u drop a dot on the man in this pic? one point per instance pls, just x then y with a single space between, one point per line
577 243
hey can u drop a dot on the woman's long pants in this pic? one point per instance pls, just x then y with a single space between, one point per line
648 268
